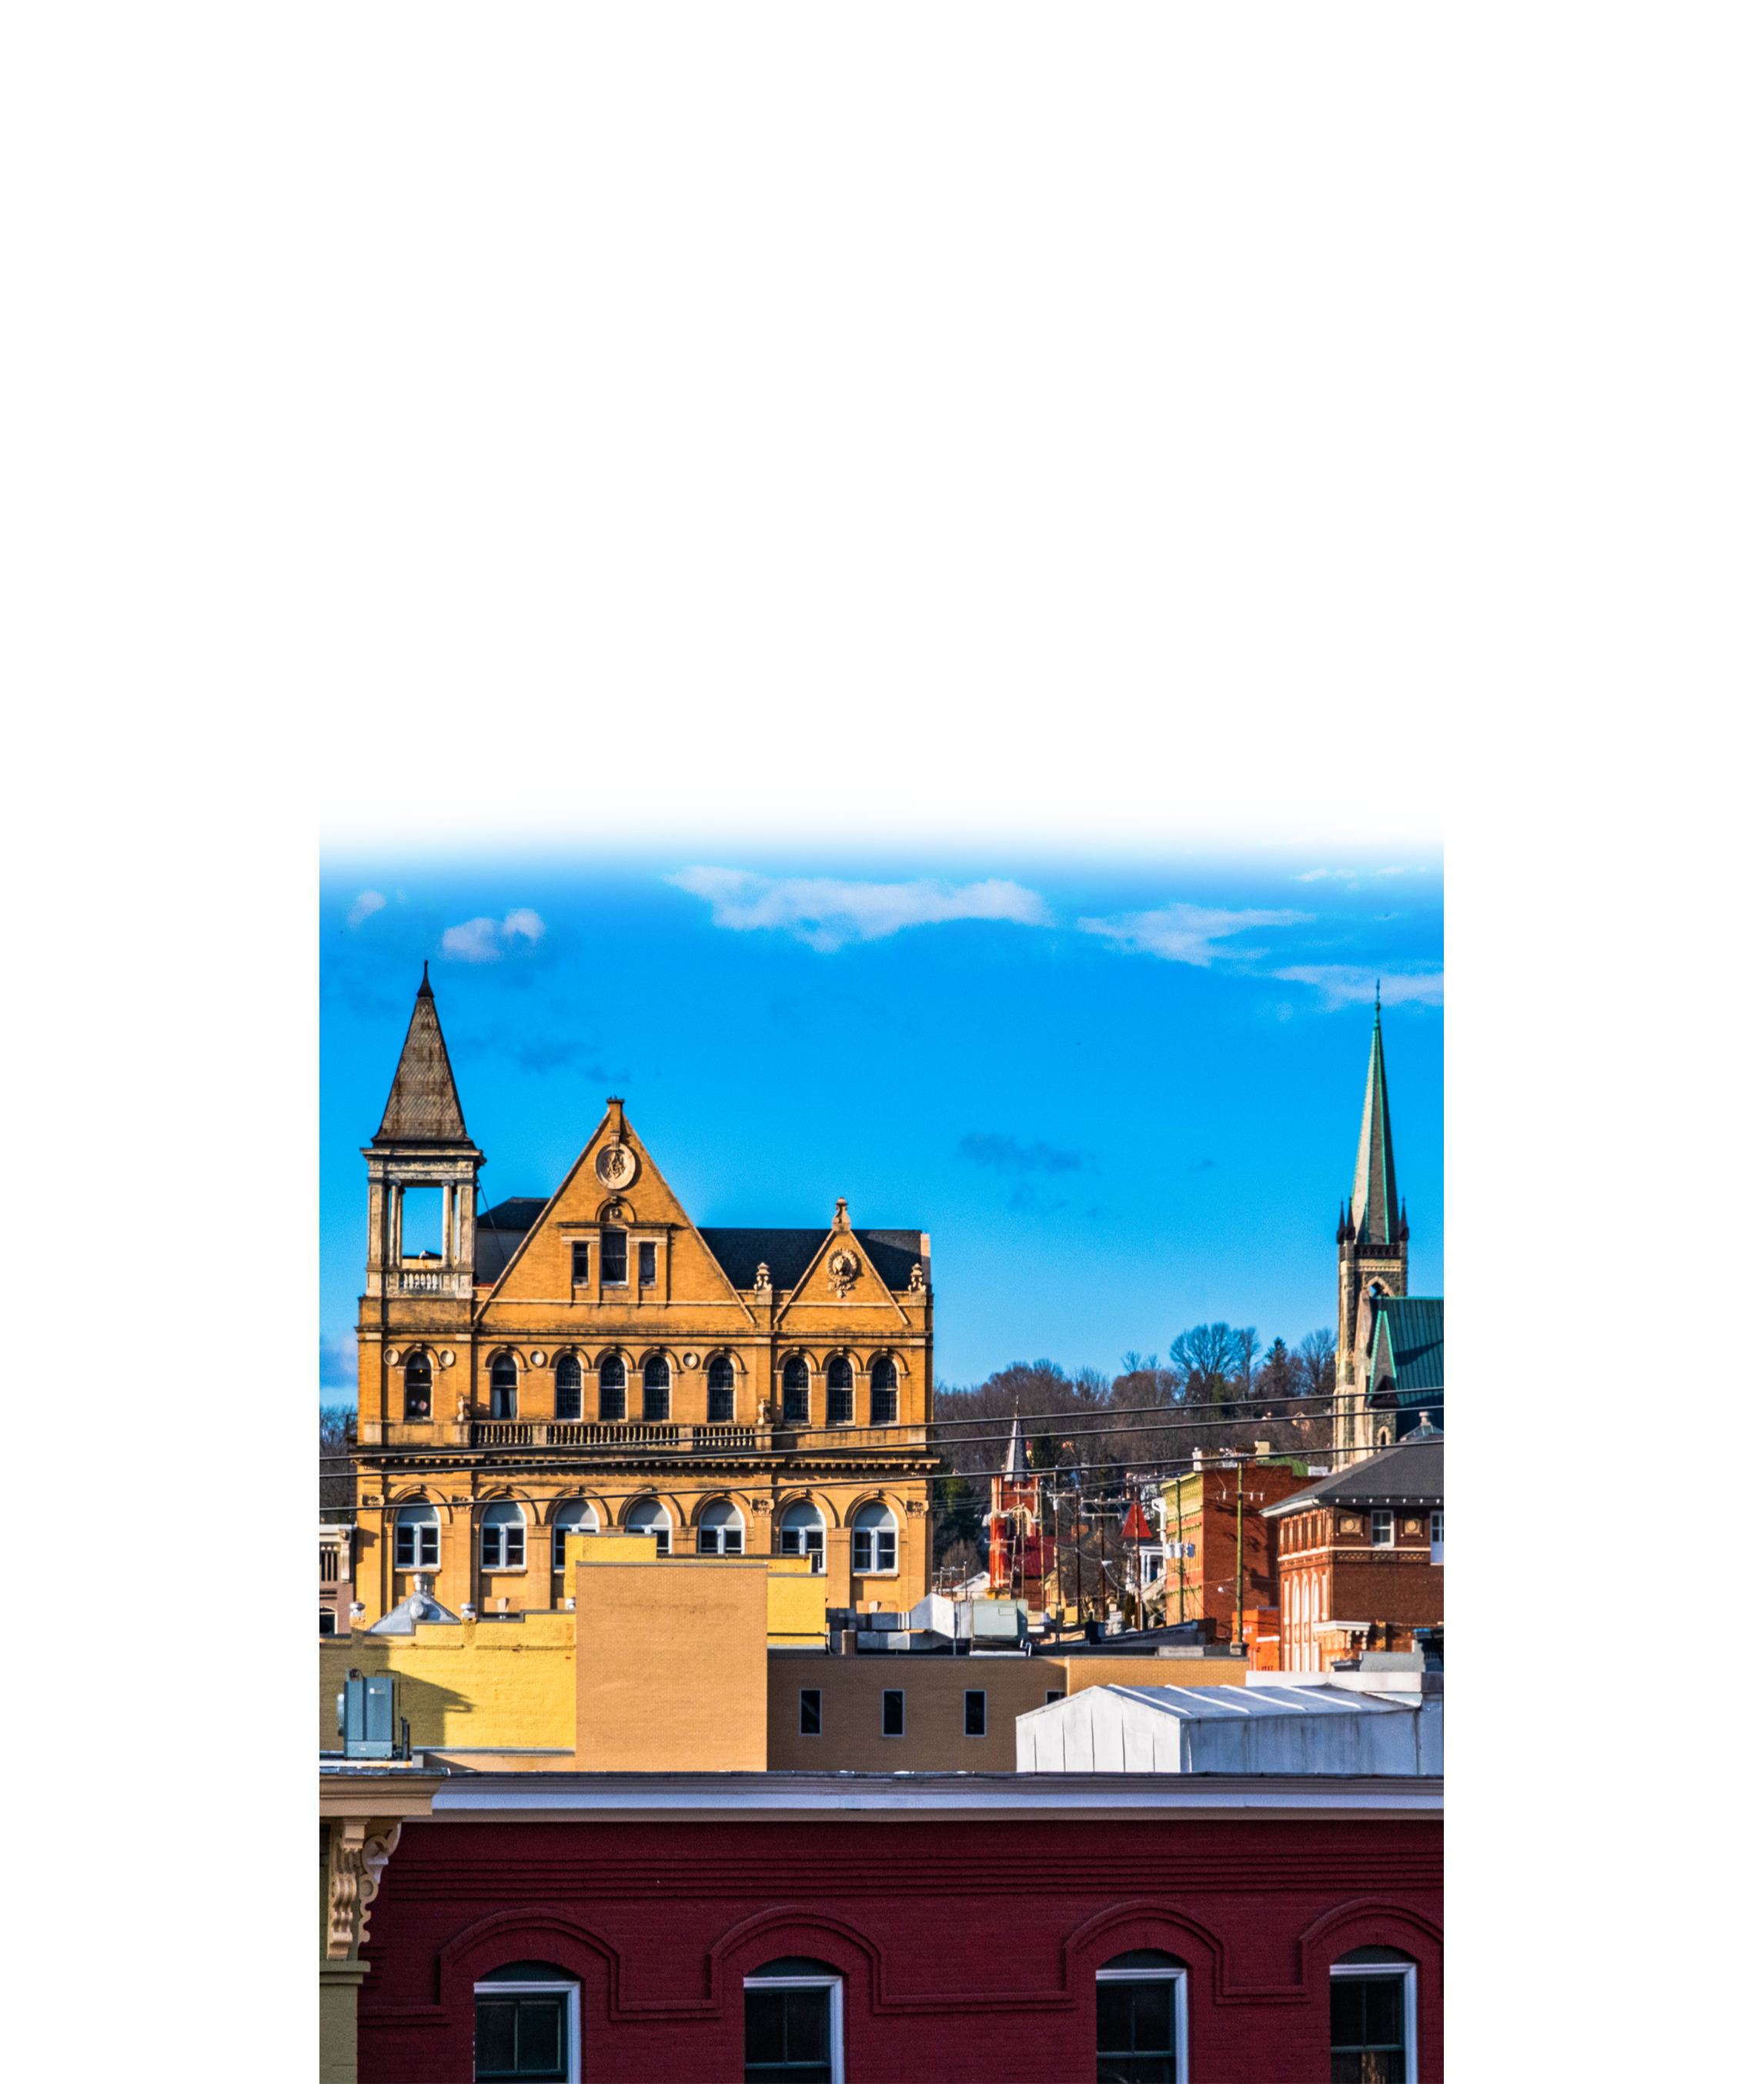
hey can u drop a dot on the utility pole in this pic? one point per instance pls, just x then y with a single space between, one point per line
1240 1551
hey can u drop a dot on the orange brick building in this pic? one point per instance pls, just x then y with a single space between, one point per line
1362 1554
596 1360
1201 1507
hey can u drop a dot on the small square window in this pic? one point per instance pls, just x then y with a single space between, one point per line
645 1266
973 1713
327 1620
893 1711
810 1720
1436 1529
578 1263
1053 1694
1384 1529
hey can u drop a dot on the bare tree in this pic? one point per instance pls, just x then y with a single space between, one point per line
336 1480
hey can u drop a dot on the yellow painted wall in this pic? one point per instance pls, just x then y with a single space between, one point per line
475 1685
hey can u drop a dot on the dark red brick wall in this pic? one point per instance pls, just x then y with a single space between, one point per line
969 1949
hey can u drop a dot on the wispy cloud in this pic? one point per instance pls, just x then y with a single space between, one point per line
826 913
1341 985
1352 875
1004 1154
365 905
488 940
1188 933
336 1363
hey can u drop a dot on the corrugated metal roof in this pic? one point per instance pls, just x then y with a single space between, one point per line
1413 1473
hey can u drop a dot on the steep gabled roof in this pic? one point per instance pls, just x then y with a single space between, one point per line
1408 1346
1374 1212
424 1104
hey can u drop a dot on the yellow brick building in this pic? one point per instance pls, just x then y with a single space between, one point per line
596 1361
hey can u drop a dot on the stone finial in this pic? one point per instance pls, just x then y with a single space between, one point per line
841 1220
763 1277
915 1280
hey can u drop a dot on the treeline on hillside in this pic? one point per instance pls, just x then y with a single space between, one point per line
1218 1389
337 1486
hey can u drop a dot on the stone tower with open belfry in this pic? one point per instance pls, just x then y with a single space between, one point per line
591 1359
1371 1247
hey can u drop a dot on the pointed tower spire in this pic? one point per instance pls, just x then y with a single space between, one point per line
1016 1456
424 1104
1374 1205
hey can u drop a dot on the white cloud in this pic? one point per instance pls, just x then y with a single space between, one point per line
1342 985
827 913
365 906
1188 933
484 940
1353 875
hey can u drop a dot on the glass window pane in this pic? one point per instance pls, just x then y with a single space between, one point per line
495 2037
539 2037
1383 2011
493 1547
860 1549
884 1548
1114 2017
429 1545
515 1548
1153 2013
806 2034
811 1720
1346 2010
764 2026
707 1541
893 1713
406 1555
731 1541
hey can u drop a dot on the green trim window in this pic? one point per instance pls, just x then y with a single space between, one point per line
794 2023
525 2027
1142 2019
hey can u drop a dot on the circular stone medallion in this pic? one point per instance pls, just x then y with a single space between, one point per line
616 1165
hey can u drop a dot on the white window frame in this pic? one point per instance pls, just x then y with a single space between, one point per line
1384 1519
1179 1976
560 1530
573 2052
417 1528
868 1536
836 2011
502 1527
809 1541
663 1526
722 1531
1411 2058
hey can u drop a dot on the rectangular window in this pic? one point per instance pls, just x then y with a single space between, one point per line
417 1548
1054 1695
860 1549
1142 2026
404 1549
1436 1529
793 2030
1384 1529
884 1548
893 1711
612 1260
973 1713
612 1401
501 1401
721 1410
645 1266
578 1263
809 1721
839 1407
654 1403
796 1406
526 2031
884 1404
1372 2026
327 1620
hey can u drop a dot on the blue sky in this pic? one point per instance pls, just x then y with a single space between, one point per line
1121 1098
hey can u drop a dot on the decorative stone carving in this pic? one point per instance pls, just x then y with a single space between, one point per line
842 1271
616 1165
360 1848
447 1357
915 1280
916 1506
761 1507
763 1279
689 1360
538 1357
462 1408
391 1357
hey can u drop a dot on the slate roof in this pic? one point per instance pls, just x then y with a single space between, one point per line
1413 1473
1375 1206
789 1254
1408 1346
424 1104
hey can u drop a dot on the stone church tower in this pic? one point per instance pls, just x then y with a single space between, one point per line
1372 1245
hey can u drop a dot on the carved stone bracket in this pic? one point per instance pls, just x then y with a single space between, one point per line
360 1848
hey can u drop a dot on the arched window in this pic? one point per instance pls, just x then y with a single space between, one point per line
721 1410
1372 2014
418 1384
1142 2019
577 1517
611 1390
527 2023
503 1543
505 1387
569 1380
416 1539
839 1411
801 1531
649 1516
795 2024
719 1530
885 1392
872 1539
795 1391
655 1380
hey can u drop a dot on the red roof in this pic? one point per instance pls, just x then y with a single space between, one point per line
1133 1526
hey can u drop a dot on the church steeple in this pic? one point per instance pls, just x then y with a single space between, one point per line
424 1104
1375 1206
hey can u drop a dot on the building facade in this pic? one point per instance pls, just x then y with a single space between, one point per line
596 1361
1390 1347
1361 1557
966 1925
1222 1568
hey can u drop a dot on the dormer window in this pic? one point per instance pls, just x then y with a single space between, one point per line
613 1264
418 1383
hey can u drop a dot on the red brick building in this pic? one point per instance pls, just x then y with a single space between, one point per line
1361 1555
858 1927
1201 1507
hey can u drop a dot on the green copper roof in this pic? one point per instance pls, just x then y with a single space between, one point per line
1408 1346
1374 1211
